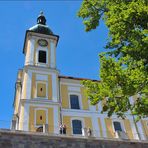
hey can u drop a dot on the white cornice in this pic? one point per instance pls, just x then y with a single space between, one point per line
39 35
41 69
39 101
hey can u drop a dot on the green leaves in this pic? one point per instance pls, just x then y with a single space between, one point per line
120 79
124 66
91 11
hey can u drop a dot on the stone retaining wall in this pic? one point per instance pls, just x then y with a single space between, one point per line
20 139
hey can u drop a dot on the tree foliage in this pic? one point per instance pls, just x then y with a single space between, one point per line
124 64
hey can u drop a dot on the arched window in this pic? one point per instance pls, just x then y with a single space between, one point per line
74 102
77 126
42 56
117 126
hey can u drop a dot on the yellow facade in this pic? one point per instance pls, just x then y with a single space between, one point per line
109 128
64 96
31 119
43 96
84 99
88 122
51 117
40 117
100 128
46 115
41 89
67 122
145 127
128 128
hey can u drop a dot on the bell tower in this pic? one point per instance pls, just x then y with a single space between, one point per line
40 45
36 101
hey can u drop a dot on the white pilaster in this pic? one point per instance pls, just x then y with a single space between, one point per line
27 57
56 120
29 60
23 86
54 88
96 129
31 57
28 85
103 126
140 130
52 55
134 131
26 117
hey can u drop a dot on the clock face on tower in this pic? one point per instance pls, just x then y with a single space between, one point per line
42 42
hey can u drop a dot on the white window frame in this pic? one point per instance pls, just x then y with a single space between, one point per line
35 113
37 56
121 123
79 99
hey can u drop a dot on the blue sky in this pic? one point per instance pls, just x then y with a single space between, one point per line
77 51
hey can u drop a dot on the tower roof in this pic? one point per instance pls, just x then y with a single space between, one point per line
41 26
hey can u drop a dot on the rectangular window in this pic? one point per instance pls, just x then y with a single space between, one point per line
77 126
74 102
117 126
42 56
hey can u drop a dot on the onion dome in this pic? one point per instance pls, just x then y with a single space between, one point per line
41 26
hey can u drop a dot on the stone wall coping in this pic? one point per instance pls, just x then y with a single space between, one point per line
60 137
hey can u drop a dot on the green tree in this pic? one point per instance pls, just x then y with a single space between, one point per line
124 64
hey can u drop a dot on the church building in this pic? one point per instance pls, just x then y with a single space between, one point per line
44 99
